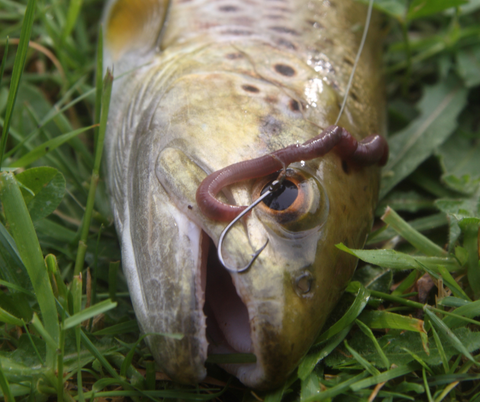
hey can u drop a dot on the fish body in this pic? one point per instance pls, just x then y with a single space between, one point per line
202 85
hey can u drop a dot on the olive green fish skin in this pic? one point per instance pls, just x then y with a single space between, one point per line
225 82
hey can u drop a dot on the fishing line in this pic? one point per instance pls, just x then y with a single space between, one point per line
362 43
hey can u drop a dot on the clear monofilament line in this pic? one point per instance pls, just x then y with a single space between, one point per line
359 53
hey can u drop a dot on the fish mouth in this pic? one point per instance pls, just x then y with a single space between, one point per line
228 321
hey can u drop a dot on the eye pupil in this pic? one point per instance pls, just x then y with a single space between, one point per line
283 197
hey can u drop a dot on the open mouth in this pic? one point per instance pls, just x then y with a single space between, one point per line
228 323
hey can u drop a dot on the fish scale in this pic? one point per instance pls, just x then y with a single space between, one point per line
205 84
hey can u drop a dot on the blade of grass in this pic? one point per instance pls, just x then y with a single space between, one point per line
396 260
19 65
419 241
47 147
470 310
385 376
72 14
427 388
313 358
418 359
29 249
37 353
470 228
441 350
82 244
129 357
364 363
417 305
8 318
89 312
123 328
76 291
9 244
337 389
349 317
5 386
368 332
421 224
381 319
442 327
16 287
4 60
37 324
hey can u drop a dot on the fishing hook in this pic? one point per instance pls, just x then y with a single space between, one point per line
273 187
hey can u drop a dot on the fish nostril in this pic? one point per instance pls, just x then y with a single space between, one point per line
303 283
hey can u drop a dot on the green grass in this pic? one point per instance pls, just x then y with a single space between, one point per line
68 332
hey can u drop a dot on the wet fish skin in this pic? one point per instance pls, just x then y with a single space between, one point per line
221 82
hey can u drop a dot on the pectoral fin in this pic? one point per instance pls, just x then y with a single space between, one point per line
133 26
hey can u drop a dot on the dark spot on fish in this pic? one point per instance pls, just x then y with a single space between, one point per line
234 56
250 88
348 61
284 30
190 207
345 167
284 70
354 96
238 32
286 43
271 99
228 9
270 126
274 17
294 105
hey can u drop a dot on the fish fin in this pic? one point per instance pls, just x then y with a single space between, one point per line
131 30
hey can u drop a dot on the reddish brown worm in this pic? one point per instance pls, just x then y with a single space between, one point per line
372 149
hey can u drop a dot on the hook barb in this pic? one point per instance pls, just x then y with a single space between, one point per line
273 187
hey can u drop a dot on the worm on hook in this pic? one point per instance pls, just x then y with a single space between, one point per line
369 151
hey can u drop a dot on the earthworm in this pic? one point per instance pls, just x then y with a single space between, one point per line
372 149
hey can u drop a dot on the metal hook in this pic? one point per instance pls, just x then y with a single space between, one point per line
273 187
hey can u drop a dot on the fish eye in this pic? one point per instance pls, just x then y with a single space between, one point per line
283 197
298 205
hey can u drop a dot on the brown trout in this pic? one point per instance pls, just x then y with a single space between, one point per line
203 84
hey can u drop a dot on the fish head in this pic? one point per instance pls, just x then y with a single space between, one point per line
202 121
